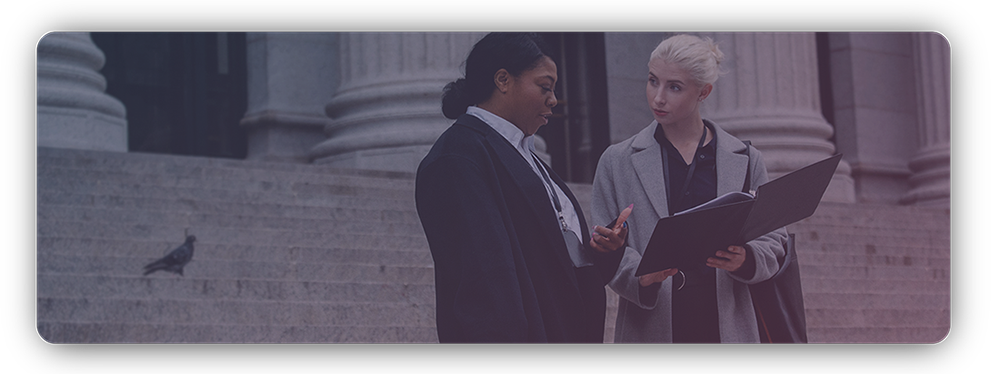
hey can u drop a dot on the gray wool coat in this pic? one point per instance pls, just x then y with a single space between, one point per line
631 172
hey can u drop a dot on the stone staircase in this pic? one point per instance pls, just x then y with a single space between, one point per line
875 274
313 254
285 253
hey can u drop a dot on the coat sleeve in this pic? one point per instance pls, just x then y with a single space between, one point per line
606 204
477 278
767 248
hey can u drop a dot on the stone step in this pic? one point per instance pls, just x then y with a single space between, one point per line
179 165
364 209
199 202
914 227
902 259
809 231
208 288
916 222
865 214
241 269
114 332
247 175
855 241
886 236
85 181
874 273
807 249
892 300
883 317
59 215
309 237
834 335
308 196
102 247
233 312
824 285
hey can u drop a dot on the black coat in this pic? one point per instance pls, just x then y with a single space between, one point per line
502 272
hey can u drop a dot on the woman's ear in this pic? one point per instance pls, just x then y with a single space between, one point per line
502 80
707 89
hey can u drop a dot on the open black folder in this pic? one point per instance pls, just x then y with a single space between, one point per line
687 239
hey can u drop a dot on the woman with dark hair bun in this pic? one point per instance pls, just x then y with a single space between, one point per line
505 232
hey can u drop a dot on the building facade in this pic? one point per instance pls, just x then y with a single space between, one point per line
372 100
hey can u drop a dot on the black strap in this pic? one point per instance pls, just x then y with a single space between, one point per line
746 182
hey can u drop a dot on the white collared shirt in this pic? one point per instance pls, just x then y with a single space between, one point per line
525 145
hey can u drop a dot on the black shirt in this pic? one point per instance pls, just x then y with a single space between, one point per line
694 311
702 186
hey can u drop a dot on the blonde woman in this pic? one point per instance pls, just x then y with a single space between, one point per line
677 162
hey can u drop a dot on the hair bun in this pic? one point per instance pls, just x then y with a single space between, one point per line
454 101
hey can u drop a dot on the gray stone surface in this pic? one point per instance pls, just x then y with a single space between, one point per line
312 254
285 253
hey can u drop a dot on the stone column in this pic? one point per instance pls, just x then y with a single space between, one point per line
290 78
871 79
73 109
930 182
386 113
770 96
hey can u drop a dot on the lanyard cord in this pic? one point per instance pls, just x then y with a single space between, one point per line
552 192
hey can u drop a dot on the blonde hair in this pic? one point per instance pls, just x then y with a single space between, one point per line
700 57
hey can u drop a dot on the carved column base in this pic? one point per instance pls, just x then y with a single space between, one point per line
382 127
790 141
931 179
73 109
282 137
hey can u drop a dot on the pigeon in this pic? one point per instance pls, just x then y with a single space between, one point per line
175 260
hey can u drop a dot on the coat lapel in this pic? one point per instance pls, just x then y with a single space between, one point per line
731 165
648 164
532 188
731 160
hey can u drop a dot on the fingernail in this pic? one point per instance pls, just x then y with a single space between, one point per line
630 206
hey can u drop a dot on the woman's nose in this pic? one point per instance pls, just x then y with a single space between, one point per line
661 97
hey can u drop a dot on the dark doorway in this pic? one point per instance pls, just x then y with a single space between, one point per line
825 75
184 93
578 133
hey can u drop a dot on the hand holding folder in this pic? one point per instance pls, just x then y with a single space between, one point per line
688 238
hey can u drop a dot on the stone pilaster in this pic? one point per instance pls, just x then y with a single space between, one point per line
73 109
386 112
770 96
291 76
931 179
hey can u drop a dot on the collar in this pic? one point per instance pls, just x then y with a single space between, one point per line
662 140
725 142
506 129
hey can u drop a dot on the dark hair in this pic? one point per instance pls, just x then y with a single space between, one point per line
516 52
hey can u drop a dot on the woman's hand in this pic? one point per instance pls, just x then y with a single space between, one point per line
731 259
657 277
605 239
